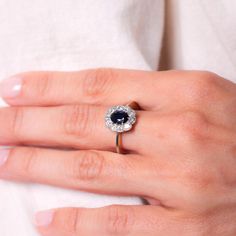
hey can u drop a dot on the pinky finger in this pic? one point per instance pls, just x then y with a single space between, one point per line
107 221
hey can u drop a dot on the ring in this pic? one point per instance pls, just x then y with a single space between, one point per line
121 119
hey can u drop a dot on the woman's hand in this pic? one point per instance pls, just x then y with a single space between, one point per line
181 154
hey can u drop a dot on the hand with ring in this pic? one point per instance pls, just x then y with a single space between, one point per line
178 148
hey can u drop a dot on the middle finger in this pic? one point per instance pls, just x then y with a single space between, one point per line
79 126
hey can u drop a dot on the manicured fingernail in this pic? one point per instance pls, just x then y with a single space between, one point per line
4 153
44 218
11 87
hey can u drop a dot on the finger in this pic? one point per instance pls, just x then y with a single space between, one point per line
115 86
92 171
113 220
105 172
111 86
80 126
97 86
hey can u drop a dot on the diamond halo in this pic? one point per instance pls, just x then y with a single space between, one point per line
120 126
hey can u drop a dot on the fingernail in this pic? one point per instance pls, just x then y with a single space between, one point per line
11 87
4 153
44 218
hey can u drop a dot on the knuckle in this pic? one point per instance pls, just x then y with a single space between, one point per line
192 125
27 163
208 76
202 87
88 166
199 178
201 184
76 120
17 123
72 222
233 151
97 83
226 170
204 80
120 220
42 85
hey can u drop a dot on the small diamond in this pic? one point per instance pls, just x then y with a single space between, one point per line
127 126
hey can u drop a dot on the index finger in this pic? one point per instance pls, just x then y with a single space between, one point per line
96 86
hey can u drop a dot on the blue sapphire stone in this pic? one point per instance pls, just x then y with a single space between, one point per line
119 117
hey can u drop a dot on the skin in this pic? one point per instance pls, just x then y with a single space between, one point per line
180 155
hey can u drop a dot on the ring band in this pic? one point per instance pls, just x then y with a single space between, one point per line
120 119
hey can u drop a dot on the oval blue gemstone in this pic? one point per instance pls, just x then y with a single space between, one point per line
119 117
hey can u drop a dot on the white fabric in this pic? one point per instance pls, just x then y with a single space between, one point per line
71 35
79 34
201 35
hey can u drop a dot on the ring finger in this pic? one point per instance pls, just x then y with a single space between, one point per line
93 171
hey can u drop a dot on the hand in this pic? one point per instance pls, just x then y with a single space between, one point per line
181 154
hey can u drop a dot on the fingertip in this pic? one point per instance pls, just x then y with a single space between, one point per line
11 87
43 218
4 154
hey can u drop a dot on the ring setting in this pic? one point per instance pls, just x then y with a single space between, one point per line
120 118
